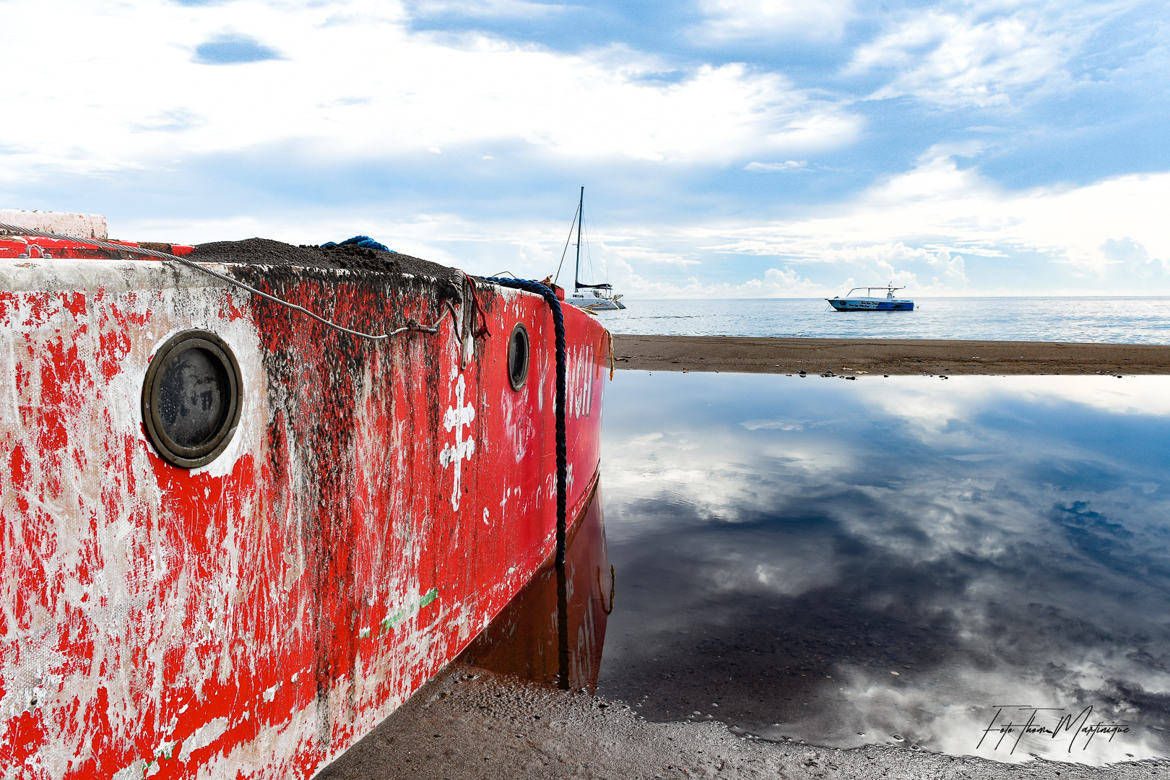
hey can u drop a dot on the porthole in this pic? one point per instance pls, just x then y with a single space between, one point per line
191 398
518 357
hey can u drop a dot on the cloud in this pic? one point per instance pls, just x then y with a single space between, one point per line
936 227
481 9
773 283
731 20
168 121
917 402
646 255
777 167
939 216
354 82
964 56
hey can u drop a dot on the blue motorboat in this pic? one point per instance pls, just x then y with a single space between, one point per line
870 302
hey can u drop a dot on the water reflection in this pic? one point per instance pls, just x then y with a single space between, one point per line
889 560
554 629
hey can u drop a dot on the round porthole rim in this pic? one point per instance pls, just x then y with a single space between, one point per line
222 435
519 328
169 450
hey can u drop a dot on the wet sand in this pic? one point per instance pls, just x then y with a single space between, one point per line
884 356
469 723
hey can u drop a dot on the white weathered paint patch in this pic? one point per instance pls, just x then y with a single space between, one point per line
59 222
454 419
203 736
256 758
579 381
135 771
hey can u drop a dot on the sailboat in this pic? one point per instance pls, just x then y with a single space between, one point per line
591 297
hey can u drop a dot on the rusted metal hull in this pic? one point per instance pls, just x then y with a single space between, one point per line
376 506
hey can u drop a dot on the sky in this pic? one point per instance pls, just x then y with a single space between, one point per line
751 148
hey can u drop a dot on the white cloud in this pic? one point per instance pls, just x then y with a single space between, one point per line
774 283
355 82
928 412
753 19
777 167
709 469
480 9
951 708
941 215
976 55
651 256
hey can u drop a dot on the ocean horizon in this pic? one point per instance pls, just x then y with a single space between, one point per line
1093 319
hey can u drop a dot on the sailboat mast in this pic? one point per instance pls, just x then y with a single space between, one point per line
580 219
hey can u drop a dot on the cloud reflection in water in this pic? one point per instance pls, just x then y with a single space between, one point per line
885 560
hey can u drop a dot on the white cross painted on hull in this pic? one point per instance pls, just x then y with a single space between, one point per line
455 418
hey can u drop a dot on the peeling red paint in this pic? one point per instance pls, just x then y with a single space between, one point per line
256 616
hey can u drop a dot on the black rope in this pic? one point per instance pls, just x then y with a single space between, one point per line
554 304
558 316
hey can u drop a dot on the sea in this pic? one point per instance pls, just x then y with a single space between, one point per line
973 565
1133 320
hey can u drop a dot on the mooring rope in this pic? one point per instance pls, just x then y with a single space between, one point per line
411 323
554 304
558 316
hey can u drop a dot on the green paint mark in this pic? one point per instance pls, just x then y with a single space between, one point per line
165 752
394 619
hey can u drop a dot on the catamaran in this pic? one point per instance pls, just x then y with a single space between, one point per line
596 297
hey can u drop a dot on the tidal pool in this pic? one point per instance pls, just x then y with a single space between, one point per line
977 565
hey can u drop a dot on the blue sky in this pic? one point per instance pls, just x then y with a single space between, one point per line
732 149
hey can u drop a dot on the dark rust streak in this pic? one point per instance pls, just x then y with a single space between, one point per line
315 374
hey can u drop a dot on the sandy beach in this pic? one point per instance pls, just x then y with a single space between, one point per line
469 723
884 356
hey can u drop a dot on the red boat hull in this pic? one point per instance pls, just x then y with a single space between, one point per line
377 505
